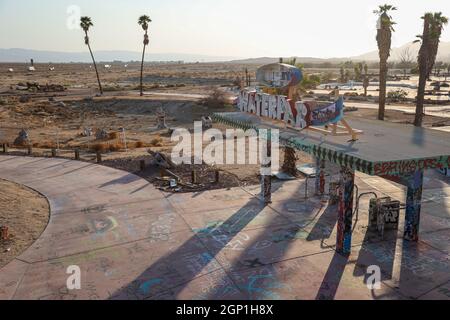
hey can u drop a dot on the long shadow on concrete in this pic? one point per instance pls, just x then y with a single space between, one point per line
170 274
253 270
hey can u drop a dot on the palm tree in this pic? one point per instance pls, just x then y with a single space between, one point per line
143 22
85 24
384 40
432 29
366 82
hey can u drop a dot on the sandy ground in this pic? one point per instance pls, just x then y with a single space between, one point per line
25 213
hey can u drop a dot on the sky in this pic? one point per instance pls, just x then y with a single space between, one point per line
235 28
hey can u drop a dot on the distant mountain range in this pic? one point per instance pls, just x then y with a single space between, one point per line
396 53
24 55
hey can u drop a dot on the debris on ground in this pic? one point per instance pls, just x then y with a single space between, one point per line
161 160
36 87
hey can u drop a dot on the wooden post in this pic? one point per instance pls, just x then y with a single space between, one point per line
142 165
77 154
30 150
217 176
4 233
345 212
53 152
194 176
99 157
5 148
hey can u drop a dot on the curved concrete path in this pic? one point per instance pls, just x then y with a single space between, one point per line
132 241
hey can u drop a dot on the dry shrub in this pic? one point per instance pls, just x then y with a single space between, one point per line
99 147
216 99
113 147
139 144
156 142
44 145
113 135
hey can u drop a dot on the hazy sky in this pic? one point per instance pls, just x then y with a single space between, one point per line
240 28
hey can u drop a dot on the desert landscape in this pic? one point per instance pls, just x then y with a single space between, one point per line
89 184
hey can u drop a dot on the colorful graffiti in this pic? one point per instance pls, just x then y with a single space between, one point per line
413 206
344 226
299 114
320 177
408 166
279 75
313 115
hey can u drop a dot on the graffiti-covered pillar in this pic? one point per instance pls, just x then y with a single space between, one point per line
320 177
345 212
266 174
414 183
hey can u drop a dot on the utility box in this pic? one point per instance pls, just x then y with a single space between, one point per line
384 213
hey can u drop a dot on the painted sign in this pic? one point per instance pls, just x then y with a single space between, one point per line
300 114
279 75
321 116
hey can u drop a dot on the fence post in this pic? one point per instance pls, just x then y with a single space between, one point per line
99 157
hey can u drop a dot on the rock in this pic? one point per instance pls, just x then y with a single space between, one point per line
61 104
101 134
206 123
24 99
161 160
87 132
22 139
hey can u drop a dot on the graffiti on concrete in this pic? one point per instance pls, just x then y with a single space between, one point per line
409 166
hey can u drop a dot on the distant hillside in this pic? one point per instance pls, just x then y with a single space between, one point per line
24 55
267 60
443 55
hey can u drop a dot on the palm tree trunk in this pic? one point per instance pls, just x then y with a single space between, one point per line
142 71
95 65
382 92
420 98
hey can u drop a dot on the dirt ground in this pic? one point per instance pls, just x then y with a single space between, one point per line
60 120
25 213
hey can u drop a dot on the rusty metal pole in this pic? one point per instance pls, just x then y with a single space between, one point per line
77 154
194 176
30 150
142 165
53 152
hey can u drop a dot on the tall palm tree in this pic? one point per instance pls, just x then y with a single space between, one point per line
384 40
86 24
143 22
432 29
